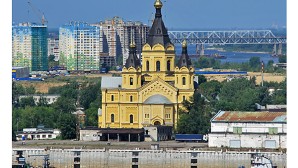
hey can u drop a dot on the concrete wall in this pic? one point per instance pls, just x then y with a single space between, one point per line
247 140
101 158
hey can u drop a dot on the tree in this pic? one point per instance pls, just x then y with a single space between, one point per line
238 94
52 62
282 59
27 101
64 105
89 94
210 89
67 126
42 101
255 63
195 117
201 79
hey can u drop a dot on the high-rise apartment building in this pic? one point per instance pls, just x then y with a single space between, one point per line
53 46
29 46
79 47
115 37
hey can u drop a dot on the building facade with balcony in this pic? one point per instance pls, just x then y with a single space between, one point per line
79 47
30 46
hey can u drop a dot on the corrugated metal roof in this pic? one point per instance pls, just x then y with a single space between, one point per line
245 116
111 82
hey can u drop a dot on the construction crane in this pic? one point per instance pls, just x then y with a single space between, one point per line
38 13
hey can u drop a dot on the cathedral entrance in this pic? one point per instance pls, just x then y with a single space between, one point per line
156 123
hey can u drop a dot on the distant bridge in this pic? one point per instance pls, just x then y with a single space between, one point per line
228 37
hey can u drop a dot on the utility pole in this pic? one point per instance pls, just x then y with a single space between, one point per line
262 72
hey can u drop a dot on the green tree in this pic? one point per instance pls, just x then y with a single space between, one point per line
67 125
27 101
89 94
255 63
210 89
195 117
64 105
42 101
201 79
51 61
282 59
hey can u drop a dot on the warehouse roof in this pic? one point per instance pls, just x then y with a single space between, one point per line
248 116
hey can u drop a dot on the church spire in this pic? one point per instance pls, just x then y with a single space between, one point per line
158 32
132 60
184 60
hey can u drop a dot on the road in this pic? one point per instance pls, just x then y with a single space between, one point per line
70 144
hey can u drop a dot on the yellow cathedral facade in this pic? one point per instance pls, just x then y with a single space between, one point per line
149 92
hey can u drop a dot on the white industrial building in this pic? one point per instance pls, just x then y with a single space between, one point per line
237 129
39 133
49 98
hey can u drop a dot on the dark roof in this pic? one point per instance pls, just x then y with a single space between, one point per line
188 137
158 32
184 60
121 131
132 60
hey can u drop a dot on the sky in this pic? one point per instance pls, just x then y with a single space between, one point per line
177 14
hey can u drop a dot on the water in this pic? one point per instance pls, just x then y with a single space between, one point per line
236 57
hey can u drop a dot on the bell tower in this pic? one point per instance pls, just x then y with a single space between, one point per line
158 54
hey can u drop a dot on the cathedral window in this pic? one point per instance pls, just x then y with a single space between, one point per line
131 118
169 65
131 81
112 118
168 115
147 65
183 98
112 97
157 66
131 98
158 31
183 81
146 115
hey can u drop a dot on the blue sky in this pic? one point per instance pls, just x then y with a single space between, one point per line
177 14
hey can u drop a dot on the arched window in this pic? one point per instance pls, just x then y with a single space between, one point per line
131 118
131 99
112 118
131 81
112 98
147 65
183 98
169 65
183 81
157 66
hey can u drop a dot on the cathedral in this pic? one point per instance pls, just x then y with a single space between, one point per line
150 91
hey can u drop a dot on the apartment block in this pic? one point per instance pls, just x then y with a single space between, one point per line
29 46
79 47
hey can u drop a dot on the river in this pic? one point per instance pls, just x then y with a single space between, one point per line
237 57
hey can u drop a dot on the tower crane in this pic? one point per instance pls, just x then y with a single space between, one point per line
38 13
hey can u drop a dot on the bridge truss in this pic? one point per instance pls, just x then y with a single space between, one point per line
226 37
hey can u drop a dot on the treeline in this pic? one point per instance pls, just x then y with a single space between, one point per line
236 95
27 114
253 65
